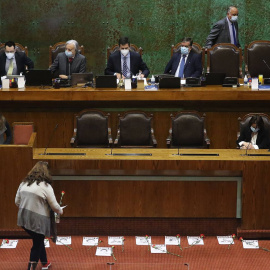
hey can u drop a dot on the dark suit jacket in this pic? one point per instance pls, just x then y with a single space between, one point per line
21 61
193 65
136 64
60 64
263 140
220 33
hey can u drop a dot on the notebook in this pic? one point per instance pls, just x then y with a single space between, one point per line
81 78
169 82
106 81
214 78
37 77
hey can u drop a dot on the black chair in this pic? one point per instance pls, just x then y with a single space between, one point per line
187 131
135 130
91 130
225 58
257 58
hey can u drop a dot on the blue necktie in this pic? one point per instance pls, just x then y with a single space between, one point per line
234 36
182 65
125 67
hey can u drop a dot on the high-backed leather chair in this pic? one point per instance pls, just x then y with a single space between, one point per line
225 58
115 48
257 58
135 130
60 47
188 131
195 46
18 46
22 132
91 130
244 122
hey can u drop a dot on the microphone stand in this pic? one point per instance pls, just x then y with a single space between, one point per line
45 151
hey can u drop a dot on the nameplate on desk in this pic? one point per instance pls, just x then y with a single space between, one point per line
199 154
129 154
258 155
63 154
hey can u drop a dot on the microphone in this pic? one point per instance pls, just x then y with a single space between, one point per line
248 147
70 60
45 151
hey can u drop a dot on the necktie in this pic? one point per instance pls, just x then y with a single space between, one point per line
234 36
182 65
10 68
125 67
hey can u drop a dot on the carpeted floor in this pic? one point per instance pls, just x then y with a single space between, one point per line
211 256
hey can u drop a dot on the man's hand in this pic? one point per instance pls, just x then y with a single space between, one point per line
63 76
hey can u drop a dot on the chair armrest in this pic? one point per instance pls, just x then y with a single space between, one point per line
154 141
73 138
206 139
169 138
110 139
117 138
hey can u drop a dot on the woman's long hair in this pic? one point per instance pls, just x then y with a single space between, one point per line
256 119
39 173
2 121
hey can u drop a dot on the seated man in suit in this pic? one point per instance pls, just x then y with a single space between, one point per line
125 63
13 62
68 62
254 136
185 63
225 30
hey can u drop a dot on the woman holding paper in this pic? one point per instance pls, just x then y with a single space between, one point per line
254 136
35 199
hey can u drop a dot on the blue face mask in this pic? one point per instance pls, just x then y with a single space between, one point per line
254 129
68 53
184 50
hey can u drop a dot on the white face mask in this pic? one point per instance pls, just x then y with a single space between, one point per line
125 52
234 18
10 55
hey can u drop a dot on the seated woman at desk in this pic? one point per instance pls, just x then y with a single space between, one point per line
5 132
254 135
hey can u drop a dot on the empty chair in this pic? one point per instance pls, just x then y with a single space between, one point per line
188 131
22 132
91 129
135 130
257 58
257 124
225 58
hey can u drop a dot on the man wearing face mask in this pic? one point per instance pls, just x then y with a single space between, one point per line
13 62
186 62
225 30
254 136
125 63
68 62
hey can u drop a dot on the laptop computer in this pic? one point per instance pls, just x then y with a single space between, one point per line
106 81
214 78
169 82
37 77
81 78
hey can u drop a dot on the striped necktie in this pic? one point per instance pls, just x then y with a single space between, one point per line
125 67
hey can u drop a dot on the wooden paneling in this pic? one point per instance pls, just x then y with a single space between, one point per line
46 108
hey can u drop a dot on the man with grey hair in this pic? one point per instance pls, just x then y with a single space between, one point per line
225 30
68 62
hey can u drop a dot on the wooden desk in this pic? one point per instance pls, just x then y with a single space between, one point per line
47 107
163 184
